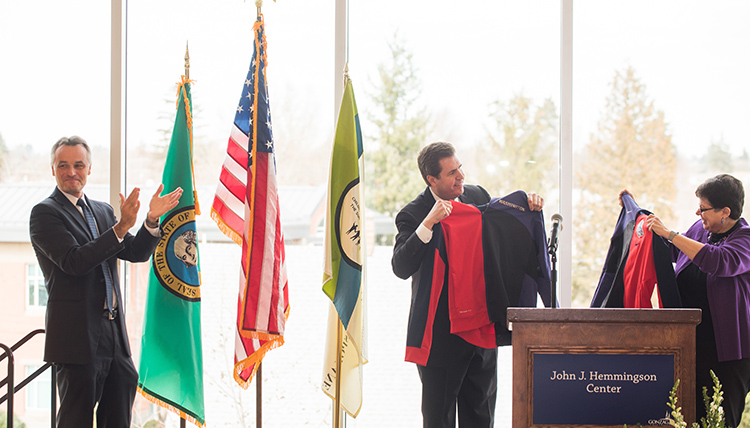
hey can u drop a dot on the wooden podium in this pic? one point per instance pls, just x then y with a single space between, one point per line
601 367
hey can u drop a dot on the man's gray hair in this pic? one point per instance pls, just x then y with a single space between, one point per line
70 141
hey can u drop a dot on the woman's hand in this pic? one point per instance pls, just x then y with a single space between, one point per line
655 225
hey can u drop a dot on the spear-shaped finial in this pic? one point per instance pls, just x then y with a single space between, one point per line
187 62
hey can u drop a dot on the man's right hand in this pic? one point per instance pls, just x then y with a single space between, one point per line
128 212
439 211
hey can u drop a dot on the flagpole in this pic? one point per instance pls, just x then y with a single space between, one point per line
259 397
341 41
338 416
187 62
259 373
183 421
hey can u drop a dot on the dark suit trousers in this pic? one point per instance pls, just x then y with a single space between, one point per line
110 380
470 383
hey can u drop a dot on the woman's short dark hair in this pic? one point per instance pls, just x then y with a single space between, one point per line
430 156
723 191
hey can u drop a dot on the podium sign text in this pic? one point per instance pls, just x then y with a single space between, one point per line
601 389
601 368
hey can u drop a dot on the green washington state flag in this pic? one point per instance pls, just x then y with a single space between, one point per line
171 369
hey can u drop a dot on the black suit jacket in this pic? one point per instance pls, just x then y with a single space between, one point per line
70 259
412 258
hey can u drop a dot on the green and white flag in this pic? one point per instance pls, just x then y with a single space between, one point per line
171 367
344 271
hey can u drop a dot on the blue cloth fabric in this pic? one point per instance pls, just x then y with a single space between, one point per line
516 260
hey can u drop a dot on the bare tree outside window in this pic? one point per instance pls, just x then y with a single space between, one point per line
520 151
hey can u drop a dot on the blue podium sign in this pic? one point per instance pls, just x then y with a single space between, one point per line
602 389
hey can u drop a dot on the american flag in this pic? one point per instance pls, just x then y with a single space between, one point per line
246 208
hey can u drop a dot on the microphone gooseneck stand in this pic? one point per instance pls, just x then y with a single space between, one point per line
552 251
553 274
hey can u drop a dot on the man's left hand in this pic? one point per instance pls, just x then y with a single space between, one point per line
536 202
159 205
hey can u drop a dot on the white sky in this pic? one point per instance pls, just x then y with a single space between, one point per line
54 63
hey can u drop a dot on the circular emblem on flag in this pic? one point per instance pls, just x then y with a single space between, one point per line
348 222
175 260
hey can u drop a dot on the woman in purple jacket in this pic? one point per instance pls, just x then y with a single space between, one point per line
713 273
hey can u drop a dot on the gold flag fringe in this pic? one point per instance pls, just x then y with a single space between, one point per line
170 407
274 342
254 360
225 229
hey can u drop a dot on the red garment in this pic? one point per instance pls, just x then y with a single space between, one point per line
467 298
639 274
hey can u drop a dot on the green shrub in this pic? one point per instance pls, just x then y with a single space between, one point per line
714 412
4 421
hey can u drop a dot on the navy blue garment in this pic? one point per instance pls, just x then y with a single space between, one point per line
516 262
610 290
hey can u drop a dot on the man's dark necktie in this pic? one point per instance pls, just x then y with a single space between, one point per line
107 275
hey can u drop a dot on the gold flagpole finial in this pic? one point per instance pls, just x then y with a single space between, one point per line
187 62
346 74
259 4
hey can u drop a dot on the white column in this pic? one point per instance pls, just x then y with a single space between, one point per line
340 52
565 246
117 124
116 119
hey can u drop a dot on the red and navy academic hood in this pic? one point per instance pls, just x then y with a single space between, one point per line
636 262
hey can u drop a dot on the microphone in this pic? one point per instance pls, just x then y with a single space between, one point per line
556 228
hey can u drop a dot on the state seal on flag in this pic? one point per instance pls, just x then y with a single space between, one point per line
175 260
348 225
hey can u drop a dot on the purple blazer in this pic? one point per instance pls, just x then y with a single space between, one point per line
727 268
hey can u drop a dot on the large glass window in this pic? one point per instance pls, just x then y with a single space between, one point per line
658 90
487 81
460 76
300 80
54 83
484 77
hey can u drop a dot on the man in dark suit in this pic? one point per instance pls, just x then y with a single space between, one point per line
454 373
85 331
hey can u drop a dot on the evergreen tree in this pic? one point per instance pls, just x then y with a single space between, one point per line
631 149
400 130
718 158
